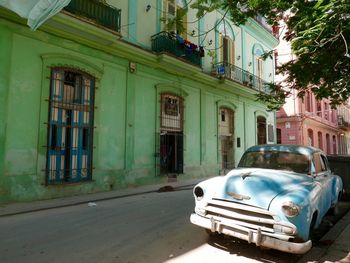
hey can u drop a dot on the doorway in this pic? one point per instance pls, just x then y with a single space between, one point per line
70 126
171 142
226 138
261 128
171 153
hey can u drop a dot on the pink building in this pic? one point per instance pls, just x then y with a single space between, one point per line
308 121
344 128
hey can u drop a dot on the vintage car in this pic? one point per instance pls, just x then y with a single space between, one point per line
275 197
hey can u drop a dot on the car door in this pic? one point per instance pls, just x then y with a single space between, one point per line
324 178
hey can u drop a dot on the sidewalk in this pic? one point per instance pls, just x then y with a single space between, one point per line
20 208
336 245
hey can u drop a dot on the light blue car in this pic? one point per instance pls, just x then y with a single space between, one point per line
275 197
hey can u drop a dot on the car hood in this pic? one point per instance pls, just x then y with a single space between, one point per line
258 187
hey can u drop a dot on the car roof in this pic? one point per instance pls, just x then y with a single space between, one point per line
308 150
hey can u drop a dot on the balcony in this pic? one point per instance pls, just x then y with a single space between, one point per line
229 71
343 123
165 42
97 12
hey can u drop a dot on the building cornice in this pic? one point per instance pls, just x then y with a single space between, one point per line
255 29
107 41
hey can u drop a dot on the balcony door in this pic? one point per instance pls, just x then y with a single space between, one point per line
227 50
175 9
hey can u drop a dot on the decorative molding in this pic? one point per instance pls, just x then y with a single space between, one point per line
260 113
227 104
70 61
174 88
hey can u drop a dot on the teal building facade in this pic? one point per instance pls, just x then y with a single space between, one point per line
104 96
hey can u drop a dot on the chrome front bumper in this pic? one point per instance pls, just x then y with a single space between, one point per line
259 237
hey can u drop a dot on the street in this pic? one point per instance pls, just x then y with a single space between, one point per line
152 228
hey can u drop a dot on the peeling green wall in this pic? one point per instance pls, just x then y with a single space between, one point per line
126 115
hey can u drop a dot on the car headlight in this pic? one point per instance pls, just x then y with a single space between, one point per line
198 193
290 209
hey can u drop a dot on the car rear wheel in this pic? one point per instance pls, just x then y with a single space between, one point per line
334 210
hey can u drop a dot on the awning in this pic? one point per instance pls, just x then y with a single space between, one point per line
36 11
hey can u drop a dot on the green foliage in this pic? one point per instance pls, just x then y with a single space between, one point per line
275 99
319 31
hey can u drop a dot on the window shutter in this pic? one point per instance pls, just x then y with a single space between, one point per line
232 52
171 8
221 47
184 24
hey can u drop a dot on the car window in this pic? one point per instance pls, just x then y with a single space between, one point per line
324 161
276 160
318 163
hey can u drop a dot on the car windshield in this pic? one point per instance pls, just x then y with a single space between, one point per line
295 162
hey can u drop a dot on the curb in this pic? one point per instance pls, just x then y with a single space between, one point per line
22 208
317 253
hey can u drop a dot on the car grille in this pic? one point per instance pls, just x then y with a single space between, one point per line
240 214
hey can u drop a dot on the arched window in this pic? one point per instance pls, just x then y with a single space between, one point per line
310 137
258 61
320 140
226 44
261 128
308 101
326 111
328 144
319 108
334 145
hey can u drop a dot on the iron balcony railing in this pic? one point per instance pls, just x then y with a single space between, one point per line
96 11
229 71
342 122
175 45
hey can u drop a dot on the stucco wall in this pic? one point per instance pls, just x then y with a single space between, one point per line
126 116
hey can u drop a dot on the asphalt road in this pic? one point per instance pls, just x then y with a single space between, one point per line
145 228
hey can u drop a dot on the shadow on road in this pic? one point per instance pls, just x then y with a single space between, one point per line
251 251
242 248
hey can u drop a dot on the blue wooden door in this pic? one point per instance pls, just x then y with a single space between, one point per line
70 130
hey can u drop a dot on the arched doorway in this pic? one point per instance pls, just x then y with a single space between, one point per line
171 134
261 128
226 138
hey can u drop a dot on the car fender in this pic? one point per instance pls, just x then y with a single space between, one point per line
307 198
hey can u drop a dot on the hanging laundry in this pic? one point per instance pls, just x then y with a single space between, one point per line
180 39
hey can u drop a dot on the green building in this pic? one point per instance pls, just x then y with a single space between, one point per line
102 97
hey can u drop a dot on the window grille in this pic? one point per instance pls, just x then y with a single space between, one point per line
70 126
171 113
